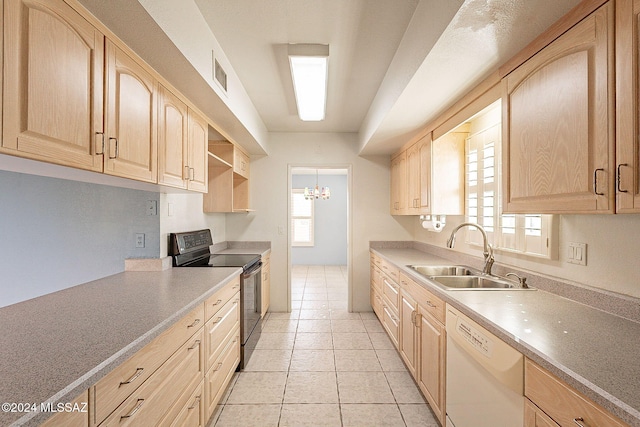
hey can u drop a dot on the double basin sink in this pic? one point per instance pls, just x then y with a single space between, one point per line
456 277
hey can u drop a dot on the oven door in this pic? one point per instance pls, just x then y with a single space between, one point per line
250 304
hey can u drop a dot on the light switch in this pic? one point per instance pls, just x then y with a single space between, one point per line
577 253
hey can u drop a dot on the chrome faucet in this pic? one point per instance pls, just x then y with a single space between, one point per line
488 250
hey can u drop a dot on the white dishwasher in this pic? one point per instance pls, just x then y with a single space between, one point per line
485 377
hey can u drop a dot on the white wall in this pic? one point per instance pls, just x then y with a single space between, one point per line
269 193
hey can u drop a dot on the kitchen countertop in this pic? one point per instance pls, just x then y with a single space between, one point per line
56 346
593 351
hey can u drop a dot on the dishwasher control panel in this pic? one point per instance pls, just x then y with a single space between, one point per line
473 336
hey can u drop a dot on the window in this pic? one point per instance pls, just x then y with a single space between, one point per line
530 234
301 219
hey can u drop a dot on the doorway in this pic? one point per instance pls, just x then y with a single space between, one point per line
319 244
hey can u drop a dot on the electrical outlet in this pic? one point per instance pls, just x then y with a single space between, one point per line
577 253
139 240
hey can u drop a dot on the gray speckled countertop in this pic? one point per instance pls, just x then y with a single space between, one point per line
593 351
56 346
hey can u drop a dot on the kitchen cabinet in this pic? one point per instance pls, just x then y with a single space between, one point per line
114 389
627 106
423 341
182 144
558 123
265 295
79 417
222 342
552 402
428 177
228 179
154 402
53 84
192 414
376 286
399 184
408 331
130 117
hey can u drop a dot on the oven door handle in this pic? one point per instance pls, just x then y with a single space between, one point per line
253 271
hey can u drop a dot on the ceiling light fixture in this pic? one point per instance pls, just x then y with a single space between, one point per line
309 70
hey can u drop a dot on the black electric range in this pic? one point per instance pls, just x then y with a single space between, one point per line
192 249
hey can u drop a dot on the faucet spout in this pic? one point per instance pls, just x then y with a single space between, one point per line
488 250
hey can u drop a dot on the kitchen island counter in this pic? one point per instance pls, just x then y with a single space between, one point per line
56 346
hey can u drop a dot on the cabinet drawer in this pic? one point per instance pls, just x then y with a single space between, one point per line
192 414
391 291
427 301
220 298
391 323
534 417
220 374
561 402
376 303
114 388
219 329
150 402
390 270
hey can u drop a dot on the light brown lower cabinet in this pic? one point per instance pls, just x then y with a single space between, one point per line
265 295
220 374
78 416
551 402
415 324
192 413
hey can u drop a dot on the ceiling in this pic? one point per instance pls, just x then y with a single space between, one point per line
394 65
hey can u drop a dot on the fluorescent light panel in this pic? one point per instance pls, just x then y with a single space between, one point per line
309 66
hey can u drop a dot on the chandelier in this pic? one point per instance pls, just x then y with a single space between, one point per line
317 193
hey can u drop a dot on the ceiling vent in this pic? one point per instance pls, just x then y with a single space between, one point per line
219 75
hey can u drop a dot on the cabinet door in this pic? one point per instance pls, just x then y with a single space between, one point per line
172 139
627 106
130 117
53 84
398 184
197 153
407 341
432 367
425 175
413 179
534 417
265 296
558 123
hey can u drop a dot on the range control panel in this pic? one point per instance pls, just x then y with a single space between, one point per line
476 338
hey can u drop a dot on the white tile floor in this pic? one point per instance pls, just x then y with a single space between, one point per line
323 366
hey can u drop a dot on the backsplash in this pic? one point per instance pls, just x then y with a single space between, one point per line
59 233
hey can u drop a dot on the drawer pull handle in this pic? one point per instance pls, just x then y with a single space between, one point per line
218 319
430 304
133 377
196 344
580 422
219 366
235 287
217 302
196 402
134 410
195 322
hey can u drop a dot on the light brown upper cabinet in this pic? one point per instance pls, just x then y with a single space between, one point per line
399 181
130 119
228 178
53 84
558 123
627 106
182 144
428 177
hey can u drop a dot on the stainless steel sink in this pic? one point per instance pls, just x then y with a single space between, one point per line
474 282
443 270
